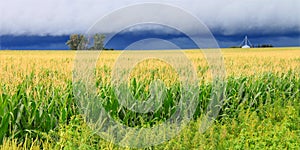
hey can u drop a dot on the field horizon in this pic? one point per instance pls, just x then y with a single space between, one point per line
224 48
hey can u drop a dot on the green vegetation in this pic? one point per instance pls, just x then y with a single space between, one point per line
38 110
77 42
80 42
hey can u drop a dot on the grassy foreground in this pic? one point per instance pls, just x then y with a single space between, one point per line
261 109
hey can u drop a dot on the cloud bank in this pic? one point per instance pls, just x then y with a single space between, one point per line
224 17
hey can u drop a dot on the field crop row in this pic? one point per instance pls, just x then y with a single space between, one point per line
261 109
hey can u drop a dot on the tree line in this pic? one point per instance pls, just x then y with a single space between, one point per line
255 46
80 42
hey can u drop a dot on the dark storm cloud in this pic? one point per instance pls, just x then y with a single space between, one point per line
229 20
57 17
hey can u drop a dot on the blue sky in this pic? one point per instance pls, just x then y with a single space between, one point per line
34 24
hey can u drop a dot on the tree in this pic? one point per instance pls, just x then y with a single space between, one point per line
234 47
83 43
80 42
73 42
264 45
99 41
77 42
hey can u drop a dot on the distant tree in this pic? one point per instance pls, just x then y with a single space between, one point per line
264 45
234 47
73 42
109 49
77 42
83 43
80 42
98 41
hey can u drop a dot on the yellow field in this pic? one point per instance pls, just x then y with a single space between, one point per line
260 109
17 64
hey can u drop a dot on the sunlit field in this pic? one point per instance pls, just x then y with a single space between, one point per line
261 107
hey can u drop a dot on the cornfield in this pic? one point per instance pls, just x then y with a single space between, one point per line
261 109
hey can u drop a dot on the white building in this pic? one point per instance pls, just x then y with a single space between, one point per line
246 43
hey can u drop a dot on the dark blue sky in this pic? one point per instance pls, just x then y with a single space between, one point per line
123 39
33 42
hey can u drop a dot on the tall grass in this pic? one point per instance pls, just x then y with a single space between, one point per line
262 110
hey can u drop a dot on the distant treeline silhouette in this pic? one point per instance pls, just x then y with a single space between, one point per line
80 42
256 46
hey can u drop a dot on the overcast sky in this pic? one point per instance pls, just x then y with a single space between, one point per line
259 18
